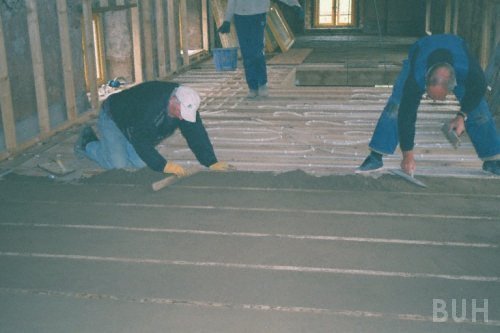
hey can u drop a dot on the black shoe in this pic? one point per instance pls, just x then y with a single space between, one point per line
86 135
371 163
492 166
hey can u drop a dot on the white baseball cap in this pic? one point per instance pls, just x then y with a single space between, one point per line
190 102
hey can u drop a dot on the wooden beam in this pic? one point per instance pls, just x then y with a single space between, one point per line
486 33
38 67
172 40
211 24
145 9
455 16
104 6
90 53
9 125
204 24
160 39
136 42
184 32
112 8
428 8
67 63
447 17
101 47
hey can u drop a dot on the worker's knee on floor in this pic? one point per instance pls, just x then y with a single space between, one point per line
117 162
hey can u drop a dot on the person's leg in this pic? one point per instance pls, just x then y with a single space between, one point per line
482 131
250 31
134 161
385 137
112 151
258 47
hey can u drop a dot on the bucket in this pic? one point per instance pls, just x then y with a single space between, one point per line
225 59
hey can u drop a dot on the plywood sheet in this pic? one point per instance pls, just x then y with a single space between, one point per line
290 57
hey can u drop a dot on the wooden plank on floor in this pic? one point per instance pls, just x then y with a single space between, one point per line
290 57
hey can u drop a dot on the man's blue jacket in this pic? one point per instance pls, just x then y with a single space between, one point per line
423 54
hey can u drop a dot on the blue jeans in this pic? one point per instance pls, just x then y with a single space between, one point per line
113 150
479 125
250 31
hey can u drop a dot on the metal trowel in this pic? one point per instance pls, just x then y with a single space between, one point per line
405 176
450 135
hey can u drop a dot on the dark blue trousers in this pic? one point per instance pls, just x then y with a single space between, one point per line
250 31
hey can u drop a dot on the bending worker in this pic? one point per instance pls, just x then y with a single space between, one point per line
437 65
132 122
250 22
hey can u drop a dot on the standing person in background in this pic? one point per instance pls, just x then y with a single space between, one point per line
250 22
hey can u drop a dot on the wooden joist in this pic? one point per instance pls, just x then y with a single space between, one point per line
160 39
67 63
9 128
172 44
145 9
136 41
38 67
90 53
184 32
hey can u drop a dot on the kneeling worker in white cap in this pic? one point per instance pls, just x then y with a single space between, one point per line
132 122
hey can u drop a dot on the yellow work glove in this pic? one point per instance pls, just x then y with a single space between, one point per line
176 169
221 166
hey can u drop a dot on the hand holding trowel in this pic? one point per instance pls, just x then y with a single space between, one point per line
408 167
454 129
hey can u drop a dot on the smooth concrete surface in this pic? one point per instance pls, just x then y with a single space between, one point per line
247 252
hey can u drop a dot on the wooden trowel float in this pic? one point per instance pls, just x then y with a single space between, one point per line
167 181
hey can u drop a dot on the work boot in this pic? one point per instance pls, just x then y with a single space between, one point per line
252 93
492 166
263 91
86 135
372 162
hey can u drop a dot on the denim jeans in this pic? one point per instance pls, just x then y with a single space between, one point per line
480 125
250 31
113 150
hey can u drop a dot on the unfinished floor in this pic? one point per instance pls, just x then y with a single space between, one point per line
291 242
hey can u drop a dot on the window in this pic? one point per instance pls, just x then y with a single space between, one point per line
98 49
335 13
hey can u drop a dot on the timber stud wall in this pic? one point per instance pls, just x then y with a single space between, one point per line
42 65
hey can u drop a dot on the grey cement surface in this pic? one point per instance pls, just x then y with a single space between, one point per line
246 252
